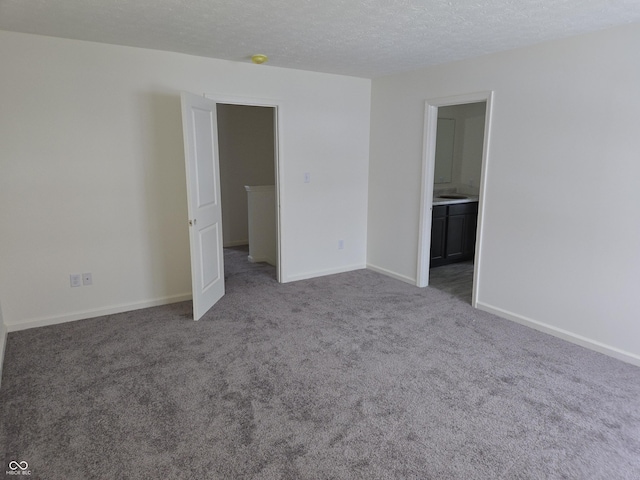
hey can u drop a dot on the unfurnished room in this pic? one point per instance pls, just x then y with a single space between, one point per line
320 240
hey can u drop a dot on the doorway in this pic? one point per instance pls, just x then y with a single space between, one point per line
246 146
457 179
248 156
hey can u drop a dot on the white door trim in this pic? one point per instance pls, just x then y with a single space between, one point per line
428 167
277 106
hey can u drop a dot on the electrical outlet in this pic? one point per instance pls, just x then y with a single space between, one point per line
340 244
75 279
307 177
86 279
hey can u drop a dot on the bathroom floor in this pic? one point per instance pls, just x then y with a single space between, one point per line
456 279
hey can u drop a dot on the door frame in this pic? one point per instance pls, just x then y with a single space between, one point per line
428 171
277 128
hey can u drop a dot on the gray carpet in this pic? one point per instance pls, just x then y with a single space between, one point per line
343 377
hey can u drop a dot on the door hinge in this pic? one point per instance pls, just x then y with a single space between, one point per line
192 222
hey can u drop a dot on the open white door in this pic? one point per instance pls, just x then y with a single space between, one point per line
200 130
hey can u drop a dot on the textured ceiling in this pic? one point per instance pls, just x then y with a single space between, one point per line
365 38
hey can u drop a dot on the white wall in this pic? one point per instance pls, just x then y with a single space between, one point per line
246 147
471 161
562 227
3 341
468 141
92 172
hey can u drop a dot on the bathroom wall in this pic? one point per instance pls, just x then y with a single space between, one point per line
468 142
246 146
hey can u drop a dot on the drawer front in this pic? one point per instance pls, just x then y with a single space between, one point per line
440 211
463 208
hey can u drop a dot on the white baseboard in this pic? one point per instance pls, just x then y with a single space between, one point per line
389 273
235 243
270 261
322 273
99 312
563 334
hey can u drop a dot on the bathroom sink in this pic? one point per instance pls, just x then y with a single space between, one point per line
453 196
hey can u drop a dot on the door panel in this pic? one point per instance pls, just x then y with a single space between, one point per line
204 144
455 236
211 265
203 199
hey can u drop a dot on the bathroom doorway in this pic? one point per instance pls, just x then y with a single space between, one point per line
454 168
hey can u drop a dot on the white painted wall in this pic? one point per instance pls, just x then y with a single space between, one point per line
562 226
261 202
246 147
92 172
3 341
468 142
446 146
471 161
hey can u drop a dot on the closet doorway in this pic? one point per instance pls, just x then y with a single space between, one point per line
248 156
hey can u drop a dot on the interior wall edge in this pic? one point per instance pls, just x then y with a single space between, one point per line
322 273
586 342
3 343
99 312
392 274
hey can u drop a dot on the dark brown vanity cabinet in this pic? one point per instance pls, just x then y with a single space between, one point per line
453 233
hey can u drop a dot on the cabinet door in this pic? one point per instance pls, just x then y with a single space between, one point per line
461 231
438 234
438 230
469 247
455 237
453 233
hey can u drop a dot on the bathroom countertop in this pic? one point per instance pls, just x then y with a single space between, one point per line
451 201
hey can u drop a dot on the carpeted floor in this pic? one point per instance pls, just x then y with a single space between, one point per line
351 376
